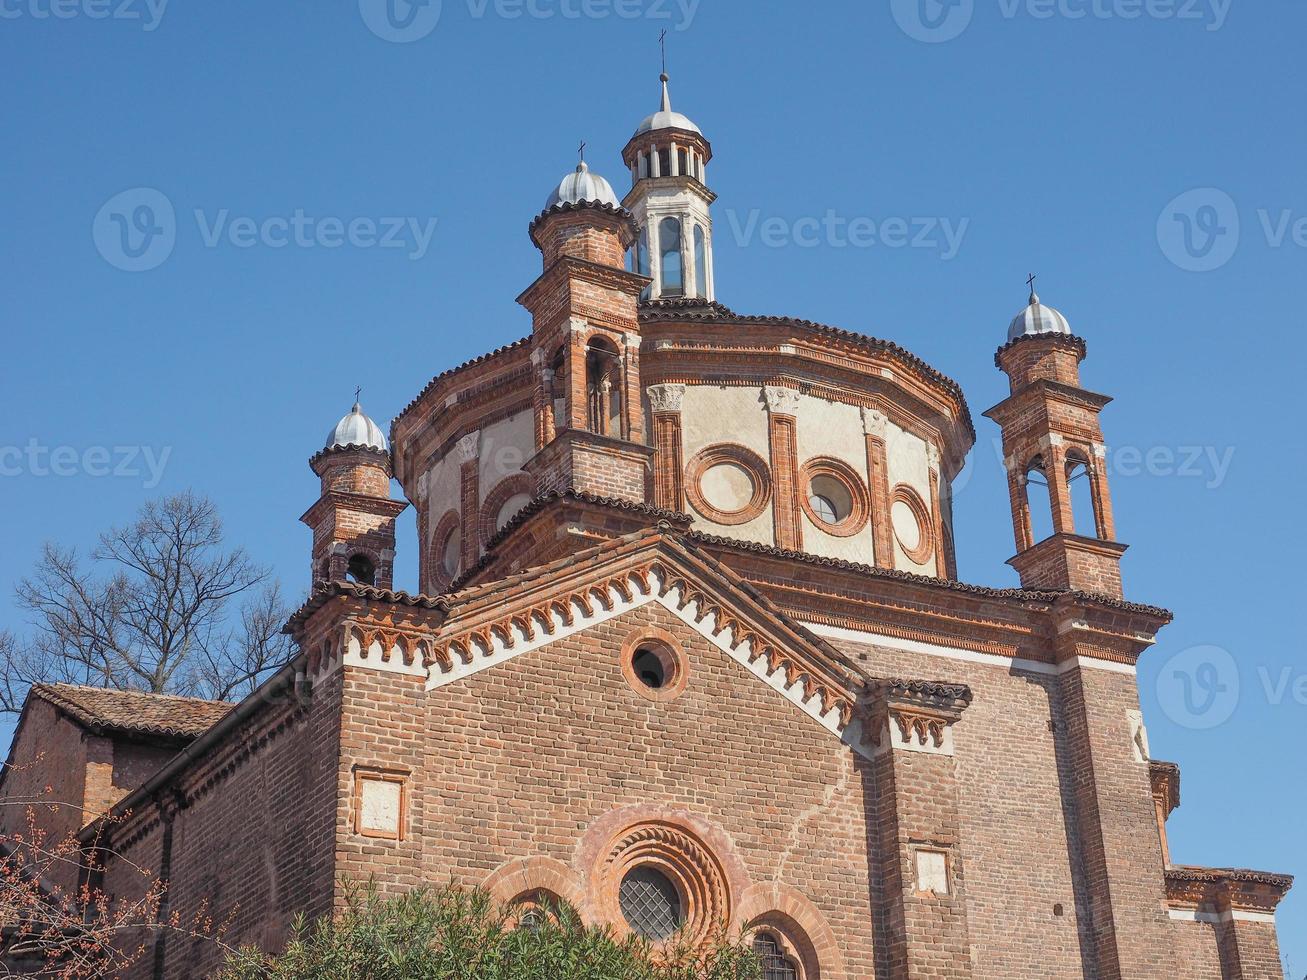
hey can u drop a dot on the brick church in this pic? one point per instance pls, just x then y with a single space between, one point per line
689 648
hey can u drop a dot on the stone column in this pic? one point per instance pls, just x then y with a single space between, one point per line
669 465
782 410
922 911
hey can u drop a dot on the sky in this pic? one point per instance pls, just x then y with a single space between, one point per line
219 218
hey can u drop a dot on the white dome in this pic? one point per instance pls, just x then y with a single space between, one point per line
665 118
582 185
1038 319
356 429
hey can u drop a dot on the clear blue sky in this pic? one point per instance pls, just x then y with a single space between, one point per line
1056 142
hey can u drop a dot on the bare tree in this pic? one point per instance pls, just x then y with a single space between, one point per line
153 611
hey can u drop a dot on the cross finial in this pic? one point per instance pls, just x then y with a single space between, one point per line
581 151
662 43
1031 283
358 394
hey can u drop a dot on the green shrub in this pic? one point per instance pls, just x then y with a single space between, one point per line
453 934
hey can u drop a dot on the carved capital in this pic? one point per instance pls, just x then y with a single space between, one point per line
916 716
469 447
781 401
874 422
666 398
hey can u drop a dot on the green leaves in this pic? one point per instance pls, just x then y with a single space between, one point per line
454 934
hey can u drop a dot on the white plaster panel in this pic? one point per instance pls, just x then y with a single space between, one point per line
836 430
379 805
443 492
711 415
909 462
505 447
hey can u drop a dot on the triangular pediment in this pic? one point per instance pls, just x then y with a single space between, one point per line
492 624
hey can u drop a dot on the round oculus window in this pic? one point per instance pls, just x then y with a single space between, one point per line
450 556
649 668
650 903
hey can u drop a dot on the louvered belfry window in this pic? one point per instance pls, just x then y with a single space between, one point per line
650 904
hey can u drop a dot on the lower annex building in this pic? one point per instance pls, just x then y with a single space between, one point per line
689 648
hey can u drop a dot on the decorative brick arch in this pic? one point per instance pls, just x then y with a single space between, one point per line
438 580
904 494
728 454
535 878
854 485
504 491
788 913
696 856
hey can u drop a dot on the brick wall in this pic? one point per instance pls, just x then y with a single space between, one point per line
253 835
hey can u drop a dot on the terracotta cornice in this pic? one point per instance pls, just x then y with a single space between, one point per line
1225 889
341 499
1069 342
1165 780
568 268
1046 389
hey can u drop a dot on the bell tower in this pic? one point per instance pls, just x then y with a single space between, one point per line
668 158
353 520
589 414
1052 438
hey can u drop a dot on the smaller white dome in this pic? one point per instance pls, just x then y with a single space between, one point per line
665 118
1036 320
582 185
356 429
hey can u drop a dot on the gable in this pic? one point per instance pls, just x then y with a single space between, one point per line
775 654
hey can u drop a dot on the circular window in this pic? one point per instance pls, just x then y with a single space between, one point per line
912 525
728 487
650 903
510 509
834 497
654 665
728 484
649 668
451 553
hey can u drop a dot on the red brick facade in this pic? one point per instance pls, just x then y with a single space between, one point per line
894 774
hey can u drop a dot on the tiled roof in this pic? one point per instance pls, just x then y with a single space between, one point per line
134 712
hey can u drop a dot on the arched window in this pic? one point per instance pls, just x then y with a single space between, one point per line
644 165
1039 504
1081 487
361 570
603 373
665 162
683 158
700 262
775 964
642 259
669 249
